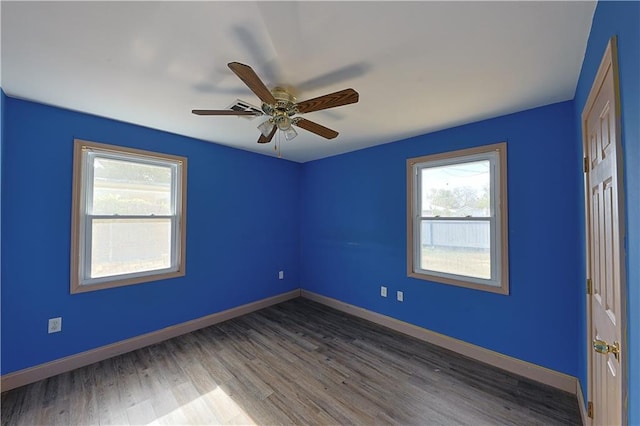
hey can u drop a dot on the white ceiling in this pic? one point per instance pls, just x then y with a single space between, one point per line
418 66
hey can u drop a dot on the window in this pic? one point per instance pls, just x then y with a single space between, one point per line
457 225
129 209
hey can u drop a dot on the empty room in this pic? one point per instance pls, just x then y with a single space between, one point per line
316 212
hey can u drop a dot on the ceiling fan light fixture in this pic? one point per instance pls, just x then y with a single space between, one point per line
290 133
283 122
266 127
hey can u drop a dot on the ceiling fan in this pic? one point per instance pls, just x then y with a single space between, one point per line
282 107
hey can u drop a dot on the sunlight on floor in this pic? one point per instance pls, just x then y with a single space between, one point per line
215 407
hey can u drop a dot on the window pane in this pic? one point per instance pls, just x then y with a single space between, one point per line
128 188
457 190
456 247
126 246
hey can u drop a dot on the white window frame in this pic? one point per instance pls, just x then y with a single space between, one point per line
496 154
85 154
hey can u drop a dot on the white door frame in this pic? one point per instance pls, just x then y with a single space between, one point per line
610 59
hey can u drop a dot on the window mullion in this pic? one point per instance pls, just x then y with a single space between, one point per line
495 249
125 216
175 249
417 215
86 220
88 237
455 218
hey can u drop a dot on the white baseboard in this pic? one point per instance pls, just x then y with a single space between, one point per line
535 372
62 365
531 371
586 420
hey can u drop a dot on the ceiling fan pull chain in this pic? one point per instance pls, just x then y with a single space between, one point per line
276 141
279 145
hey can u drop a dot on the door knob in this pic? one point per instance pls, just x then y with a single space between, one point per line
604 348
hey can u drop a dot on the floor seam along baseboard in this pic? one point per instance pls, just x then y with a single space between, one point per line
526 369
42 371
529 370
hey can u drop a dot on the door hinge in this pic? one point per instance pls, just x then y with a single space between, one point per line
589 286
585 164
590 409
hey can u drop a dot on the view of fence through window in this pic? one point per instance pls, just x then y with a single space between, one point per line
131 217
455 229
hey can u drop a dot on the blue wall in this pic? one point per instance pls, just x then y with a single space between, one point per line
336 226
354 238
242 228
621 19
2 100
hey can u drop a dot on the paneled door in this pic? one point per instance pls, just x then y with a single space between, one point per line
605 245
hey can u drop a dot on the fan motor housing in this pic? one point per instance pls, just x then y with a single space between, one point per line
285 103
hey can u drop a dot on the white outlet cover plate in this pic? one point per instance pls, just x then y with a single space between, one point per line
383 291
400 296
55 325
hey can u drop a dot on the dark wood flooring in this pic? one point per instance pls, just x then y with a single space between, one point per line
295 363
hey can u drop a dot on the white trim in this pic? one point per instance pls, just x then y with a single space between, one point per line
544 375
62 365
81 223
531 371
496 154
609 62
90 157
586 420
493 219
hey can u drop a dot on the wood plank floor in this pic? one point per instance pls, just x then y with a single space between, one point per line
295 363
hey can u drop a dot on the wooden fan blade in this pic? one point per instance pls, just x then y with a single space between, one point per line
267 139
253 82
222 112
316 128
332 100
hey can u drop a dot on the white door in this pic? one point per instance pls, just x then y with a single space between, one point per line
605 246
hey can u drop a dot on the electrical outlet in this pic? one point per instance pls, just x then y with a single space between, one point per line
55 325
383 291
400 296
281 275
